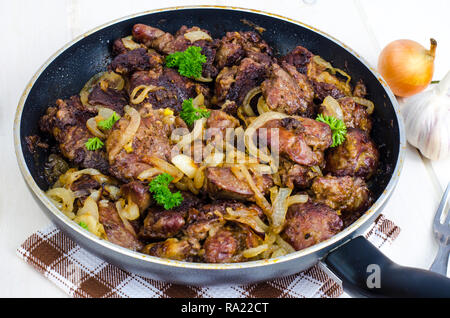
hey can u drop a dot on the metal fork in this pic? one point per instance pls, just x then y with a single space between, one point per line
442 234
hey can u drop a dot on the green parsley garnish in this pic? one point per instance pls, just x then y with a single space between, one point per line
108 123
159 186
189 62
190 114
338 128
94 144
83 225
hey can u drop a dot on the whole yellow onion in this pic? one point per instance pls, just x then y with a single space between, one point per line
407 66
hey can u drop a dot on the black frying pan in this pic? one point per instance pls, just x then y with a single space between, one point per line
347 254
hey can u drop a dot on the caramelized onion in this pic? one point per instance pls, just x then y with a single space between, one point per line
320 61
279 208
199 177
93 226
197 35
262 106
365 102
167 167
196 133
63 199
285 245
249 217
130 44
147 175
104 112
185 164
89 207
91 125
255 251
251 129
115 146
72 175
204 79
259 197
246 103
332 108
112 79
214 159
129 211
298 198
143 91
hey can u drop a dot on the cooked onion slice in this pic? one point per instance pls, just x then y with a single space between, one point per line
127 136
63 199
204 79
261 201
147 175
255 251
88 214
89 207
194 135
104 112
332 108
110 79
130 44
199 100
91 125
262 106
279 208
167 167
298 198
278 252
246 103
249 217
129 211
320 61
197 35
285 245
72 175
214 159
143 91
185 164
199 177
365 102
113 191
251 129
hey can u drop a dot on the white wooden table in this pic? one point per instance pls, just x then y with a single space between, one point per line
33 30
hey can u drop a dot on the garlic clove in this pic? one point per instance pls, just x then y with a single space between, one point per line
427 121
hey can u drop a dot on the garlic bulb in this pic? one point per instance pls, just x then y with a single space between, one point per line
427 121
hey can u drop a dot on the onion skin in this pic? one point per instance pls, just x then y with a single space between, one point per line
407 66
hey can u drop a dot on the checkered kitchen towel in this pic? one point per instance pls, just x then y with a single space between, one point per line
81 274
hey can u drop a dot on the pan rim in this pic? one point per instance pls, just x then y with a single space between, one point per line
347 232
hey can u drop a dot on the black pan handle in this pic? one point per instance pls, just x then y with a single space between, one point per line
366 272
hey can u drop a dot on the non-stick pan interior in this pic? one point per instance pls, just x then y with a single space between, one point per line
67 73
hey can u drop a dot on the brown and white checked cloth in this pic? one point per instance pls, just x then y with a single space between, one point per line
81 274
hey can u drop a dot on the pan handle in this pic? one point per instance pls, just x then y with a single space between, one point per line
366 272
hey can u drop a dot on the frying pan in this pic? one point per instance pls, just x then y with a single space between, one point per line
351 257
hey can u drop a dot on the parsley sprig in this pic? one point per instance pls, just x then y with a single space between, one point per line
159 186
109 122
94 144
83 225
338 128
189 62
190 113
